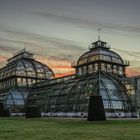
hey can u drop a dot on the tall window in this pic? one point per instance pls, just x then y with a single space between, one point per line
109 69
103 68
120 69
84 70
79 71
90 69
96 67
115 69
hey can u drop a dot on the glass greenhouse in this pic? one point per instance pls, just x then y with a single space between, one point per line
99 71
17 78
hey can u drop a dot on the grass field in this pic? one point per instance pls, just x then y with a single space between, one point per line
17 128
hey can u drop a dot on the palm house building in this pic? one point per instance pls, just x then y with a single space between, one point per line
99 71
17 78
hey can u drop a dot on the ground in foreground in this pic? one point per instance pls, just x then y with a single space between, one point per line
18 128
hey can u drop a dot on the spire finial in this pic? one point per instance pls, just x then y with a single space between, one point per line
25 46
99 30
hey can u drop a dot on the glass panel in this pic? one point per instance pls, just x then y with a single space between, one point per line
18 98
115 69
90 69
121 71
20 69
9 101
103 68
96 67
109 68
79 71
82 61
29 69
84 70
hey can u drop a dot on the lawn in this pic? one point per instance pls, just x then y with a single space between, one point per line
19 128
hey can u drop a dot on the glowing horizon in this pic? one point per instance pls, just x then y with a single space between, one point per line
63 67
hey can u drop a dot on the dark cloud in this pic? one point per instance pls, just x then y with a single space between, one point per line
11 41
40 44
6 48
6 45
86 23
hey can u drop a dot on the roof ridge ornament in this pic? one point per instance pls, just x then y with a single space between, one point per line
99 33
25 48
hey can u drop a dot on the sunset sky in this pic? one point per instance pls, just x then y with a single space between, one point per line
59 31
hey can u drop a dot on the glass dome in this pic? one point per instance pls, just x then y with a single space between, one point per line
100 58
26 69
18 76
100 51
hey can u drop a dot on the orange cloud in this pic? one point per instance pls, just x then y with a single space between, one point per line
53 61
60 67
3 58
62 75
132 72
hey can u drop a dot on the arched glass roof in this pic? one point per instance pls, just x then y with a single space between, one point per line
102 54
27 67
73 95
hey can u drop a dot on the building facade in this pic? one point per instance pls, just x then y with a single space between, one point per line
134 90
99 71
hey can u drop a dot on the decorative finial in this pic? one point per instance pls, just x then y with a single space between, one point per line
99 30
25 47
